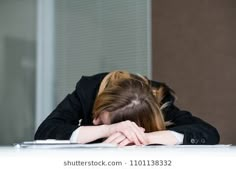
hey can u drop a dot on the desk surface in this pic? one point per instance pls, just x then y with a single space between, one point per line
180 156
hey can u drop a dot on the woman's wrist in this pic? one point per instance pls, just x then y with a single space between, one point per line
111 129
151 139
161 137
106 130
91 133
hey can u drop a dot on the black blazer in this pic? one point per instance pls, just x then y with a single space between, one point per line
61 123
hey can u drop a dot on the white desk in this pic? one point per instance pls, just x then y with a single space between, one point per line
180 157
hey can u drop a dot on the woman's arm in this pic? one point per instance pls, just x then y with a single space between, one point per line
164 137
159 137
88 134
127 128
186 129
195 130
62 121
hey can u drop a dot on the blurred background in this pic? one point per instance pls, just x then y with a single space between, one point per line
47 45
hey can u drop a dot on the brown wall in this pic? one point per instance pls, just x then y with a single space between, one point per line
194 51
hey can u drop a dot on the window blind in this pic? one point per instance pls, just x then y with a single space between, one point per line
93 36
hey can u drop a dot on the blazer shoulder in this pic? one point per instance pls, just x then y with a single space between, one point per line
86 89
90 81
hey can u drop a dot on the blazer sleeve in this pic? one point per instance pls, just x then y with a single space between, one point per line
63 120
195 130
76 106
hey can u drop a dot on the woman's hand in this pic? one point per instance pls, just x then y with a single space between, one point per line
133 133
118 139
130 130
159 137
125 133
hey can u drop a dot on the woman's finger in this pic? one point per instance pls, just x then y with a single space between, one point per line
130 134
133 132
139 133
115 138
125 142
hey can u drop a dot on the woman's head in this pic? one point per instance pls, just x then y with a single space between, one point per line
124 96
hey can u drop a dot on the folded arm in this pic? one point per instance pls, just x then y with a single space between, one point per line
195 130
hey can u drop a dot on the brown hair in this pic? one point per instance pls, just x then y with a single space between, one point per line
130 97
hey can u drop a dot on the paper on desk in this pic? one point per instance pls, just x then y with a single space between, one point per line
51 143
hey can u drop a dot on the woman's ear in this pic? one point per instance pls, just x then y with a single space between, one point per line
103 118
96 121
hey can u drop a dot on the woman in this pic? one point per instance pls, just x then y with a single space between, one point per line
124 109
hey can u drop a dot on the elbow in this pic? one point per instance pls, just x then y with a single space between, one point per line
204 136
214 137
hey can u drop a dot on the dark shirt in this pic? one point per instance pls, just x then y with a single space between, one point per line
61 123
